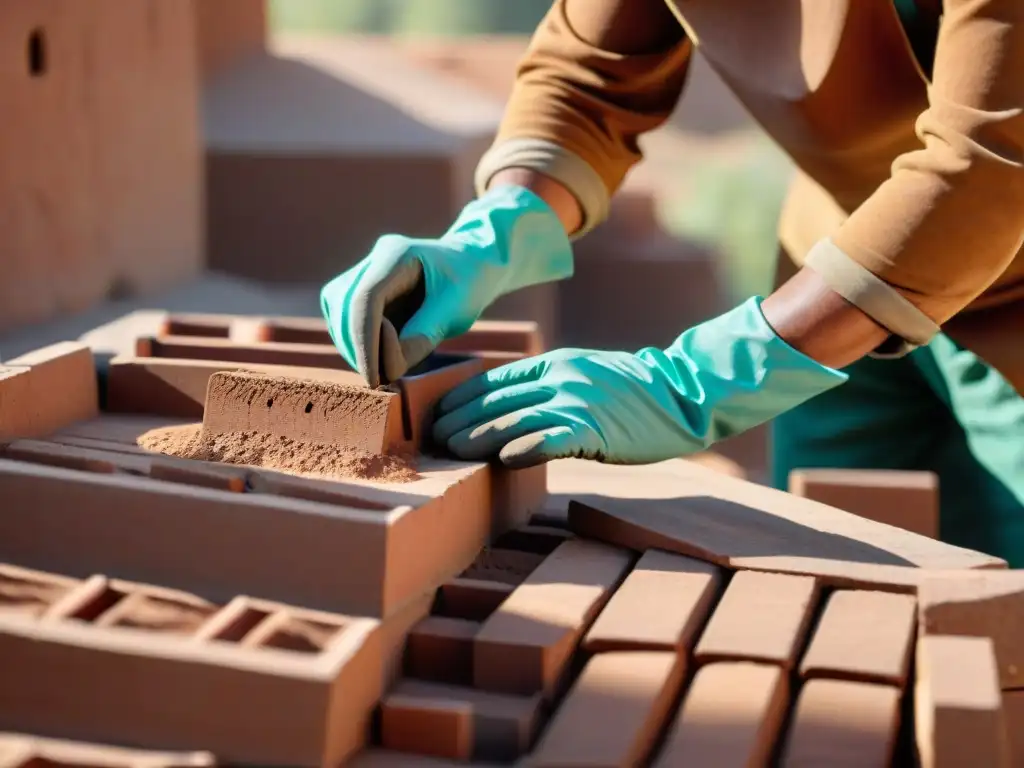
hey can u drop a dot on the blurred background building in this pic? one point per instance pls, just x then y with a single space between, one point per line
231 155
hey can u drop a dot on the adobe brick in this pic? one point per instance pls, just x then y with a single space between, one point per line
471 599
661 606
958 707
731 715
761 617
843 723
58 389
904 499
177 388
525 646
440 650
863 636
226 350
614 712
457 723
987 604
300 409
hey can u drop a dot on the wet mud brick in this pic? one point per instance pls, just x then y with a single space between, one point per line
905 499
24 751
681 507
958 708
614 712
844 724
983 604
313 411
525 646
731 715
129 686
221 543
761 617
863 636
661 606
457 723
46 390
177 388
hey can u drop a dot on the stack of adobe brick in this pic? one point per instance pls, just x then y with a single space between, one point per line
575 615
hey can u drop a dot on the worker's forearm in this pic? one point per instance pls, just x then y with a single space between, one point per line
561 200
814 319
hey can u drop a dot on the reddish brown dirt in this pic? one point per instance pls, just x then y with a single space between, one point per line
281 453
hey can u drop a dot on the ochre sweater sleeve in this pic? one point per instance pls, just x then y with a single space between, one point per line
597 75
950 218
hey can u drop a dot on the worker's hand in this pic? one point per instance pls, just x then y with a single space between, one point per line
718 379
389 311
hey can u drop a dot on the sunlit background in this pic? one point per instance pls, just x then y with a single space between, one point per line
729 200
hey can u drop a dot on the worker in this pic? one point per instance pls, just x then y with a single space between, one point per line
905 121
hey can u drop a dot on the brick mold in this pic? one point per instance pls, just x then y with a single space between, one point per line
624 605
89 142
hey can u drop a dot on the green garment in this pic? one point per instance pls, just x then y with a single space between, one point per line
940 408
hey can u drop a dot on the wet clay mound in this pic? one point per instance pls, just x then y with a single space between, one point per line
259 449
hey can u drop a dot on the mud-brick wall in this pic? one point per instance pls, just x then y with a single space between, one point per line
228 31
100 153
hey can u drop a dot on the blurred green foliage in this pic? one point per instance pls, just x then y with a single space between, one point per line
735 208
412 17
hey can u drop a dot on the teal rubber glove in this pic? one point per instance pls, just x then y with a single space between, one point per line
718 379
389 311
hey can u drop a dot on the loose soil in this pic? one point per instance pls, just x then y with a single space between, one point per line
259 449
